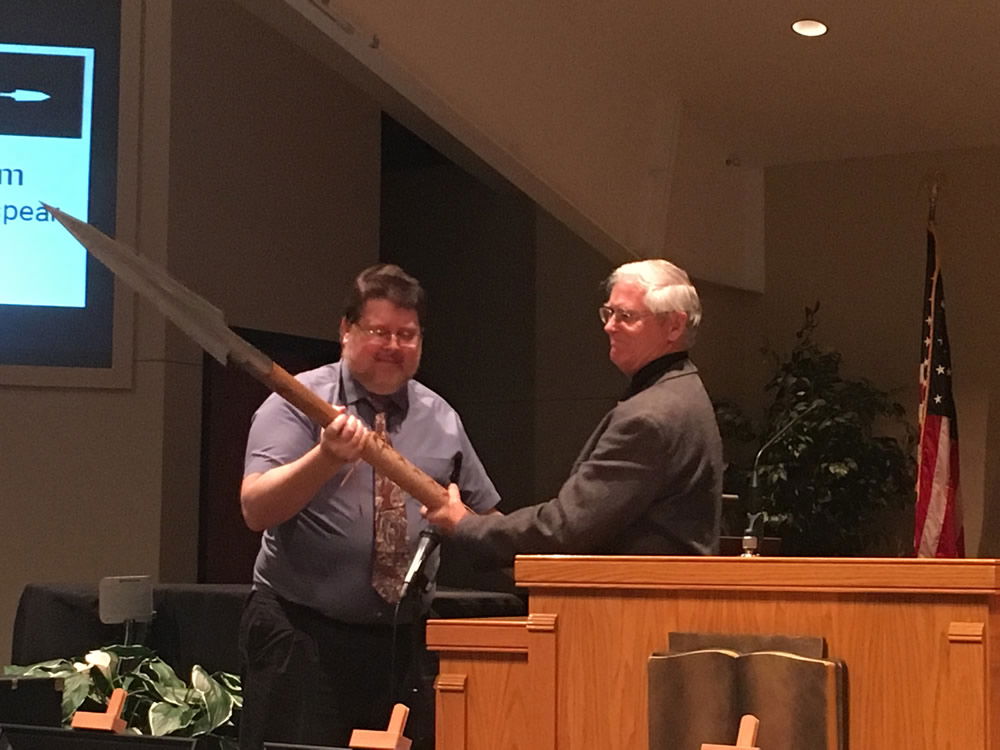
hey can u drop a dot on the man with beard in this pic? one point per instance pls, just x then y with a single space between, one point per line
319 638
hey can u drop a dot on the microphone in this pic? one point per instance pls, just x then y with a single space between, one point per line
429 541
754 481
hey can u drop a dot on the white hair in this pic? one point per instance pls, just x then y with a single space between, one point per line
668 289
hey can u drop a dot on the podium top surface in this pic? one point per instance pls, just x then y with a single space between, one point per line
806 574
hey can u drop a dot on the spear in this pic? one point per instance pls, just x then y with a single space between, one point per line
206 324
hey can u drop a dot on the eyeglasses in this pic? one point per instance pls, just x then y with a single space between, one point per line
623 316
405 337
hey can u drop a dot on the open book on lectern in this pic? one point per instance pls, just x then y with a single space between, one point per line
699 696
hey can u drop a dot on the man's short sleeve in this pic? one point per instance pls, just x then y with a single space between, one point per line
279 434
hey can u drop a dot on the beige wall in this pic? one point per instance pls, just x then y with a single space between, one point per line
259 190
851 234
274 173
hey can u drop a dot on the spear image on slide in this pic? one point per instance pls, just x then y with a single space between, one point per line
25 95
205 323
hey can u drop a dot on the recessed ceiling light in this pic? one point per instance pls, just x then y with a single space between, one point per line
809 27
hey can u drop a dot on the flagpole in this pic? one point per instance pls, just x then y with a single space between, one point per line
932 196
932 202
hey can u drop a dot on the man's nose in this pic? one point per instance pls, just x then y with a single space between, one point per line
391 341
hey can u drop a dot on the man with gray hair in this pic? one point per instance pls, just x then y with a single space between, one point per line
649 479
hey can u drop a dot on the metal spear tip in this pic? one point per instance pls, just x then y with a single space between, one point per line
193 314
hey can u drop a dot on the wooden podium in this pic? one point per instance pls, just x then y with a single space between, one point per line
920 638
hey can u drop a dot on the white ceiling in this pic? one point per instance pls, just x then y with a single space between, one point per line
889 77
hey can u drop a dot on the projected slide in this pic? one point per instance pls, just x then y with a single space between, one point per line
46 102
59 99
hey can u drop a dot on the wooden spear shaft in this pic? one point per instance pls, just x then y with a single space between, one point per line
377 451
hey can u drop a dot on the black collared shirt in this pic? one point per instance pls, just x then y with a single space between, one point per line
652 371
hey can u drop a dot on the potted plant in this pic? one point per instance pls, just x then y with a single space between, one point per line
837 478
159 703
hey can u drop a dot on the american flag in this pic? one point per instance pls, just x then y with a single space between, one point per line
938 530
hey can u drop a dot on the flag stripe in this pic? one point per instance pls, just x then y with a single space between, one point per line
952 540
935 484
925 473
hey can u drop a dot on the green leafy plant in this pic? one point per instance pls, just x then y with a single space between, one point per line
159 703
836 481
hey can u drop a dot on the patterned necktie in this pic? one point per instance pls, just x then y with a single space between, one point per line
390 554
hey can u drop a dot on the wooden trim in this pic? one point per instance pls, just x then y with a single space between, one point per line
992 675
450 683
541 623
501 635
964 692
543 666
451 712
966 632
833 575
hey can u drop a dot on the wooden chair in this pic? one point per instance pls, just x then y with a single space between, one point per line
390 739
109 720
745 739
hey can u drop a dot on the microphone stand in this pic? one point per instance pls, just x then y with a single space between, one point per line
753 532
417 580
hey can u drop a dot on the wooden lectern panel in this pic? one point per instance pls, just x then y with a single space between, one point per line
497 685
918 638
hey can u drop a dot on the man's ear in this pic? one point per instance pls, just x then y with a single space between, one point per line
344 328
677 327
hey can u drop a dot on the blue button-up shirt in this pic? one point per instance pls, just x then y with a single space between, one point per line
322 557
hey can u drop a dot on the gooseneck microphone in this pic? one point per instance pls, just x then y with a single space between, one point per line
754 480
429 540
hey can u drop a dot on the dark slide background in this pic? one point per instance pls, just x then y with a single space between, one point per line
59 76
55 336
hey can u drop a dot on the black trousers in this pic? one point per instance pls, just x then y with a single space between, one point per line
312 680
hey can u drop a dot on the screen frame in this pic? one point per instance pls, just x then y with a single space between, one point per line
119 375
